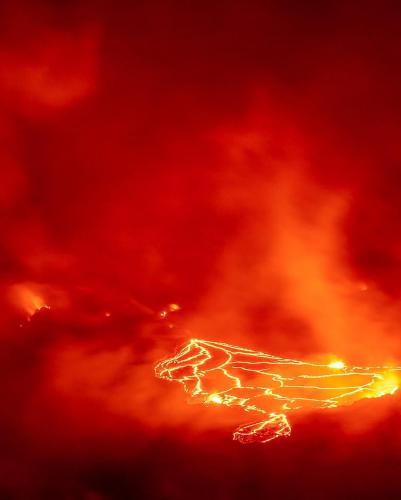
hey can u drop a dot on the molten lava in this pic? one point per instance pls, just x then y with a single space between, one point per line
222 374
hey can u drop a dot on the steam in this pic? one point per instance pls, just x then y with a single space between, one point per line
241 161
286 282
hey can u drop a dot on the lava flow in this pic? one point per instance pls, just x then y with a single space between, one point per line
222 374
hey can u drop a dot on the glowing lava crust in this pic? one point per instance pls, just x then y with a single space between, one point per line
222 374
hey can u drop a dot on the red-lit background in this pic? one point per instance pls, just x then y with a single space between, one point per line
240 159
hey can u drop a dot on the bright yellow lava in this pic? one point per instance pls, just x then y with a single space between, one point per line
337 365
214 398
215 372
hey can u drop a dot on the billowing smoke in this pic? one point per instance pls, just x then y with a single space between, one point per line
239 160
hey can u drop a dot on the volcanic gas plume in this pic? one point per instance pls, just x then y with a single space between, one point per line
226 171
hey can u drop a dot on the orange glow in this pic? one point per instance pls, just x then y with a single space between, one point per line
28 299
219 373
171 308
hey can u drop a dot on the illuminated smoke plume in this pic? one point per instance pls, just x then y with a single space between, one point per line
240 159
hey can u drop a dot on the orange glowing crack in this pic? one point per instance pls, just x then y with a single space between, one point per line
223 374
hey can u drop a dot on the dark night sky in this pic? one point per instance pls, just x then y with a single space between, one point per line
240 159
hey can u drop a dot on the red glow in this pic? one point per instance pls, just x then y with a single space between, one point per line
240 159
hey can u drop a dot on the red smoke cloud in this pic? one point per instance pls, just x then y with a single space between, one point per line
239 160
